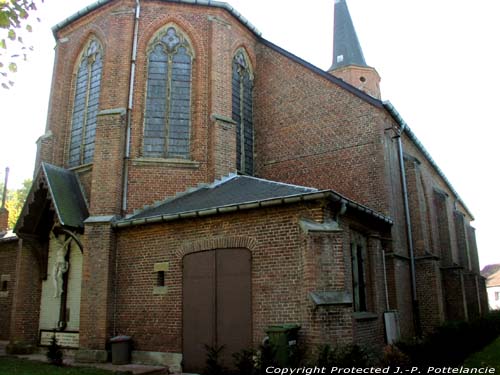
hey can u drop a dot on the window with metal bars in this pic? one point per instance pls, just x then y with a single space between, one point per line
167 120
85 105
242 112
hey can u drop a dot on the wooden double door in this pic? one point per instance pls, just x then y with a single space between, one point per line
217 305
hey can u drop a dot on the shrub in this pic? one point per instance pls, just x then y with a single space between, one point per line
213 363
453 342
54 352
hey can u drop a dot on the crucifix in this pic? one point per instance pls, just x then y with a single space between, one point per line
60 275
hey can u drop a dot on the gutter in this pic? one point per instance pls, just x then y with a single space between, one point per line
325 194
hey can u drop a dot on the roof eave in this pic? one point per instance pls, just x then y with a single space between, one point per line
324 194
406 129
209 3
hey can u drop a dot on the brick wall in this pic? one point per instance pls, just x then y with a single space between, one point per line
96 311
309 131
454 294
429 293
8 260
273 237
27 293
286 266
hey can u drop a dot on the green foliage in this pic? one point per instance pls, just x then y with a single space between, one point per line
14 16
15 200
213 364
486 357
54 352
453 342
246 362
343 356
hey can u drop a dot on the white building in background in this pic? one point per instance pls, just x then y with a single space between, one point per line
492 275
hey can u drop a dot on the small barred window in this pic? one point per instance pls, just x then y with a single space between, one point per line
242 113
85 106
167 120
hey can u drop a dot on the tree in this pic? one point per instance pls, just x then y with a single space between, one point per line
14 16
15 200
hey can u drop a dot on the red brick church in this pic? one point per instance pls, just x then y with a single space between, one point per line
197 184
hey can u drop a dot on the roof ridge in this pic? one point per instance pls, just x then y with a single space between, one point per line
168 199
223 180
280 183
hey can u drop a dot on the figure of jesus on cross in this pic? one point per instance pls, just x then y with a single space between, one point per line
61 264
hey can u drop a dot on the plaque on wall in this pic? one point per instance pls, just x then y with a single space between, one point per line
64 339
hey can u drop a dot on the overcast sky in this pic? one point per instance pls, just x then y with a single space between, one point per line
439 62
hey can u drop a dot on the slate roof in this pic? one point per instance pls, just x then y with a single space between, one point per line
233 190
8 236
492 274
66 195
231 194
346 47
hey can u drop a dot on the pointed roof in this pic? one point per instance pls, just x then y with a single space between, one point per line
346 47
56 191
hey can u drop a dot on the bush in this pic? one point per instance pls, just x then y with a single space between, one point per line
343 356
54 352
453 342
213 363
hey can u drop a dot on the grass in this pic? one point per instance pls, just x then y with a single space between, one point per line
17 366
489 356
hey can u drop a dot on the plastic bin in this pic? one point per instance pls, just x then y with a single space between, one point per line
283 338
120 350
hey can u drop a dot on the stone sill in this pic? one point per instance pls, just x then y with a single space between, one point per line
365 315
177 163
82 168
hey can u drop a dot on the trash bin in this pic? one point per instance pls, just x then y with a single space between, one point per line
283 338
120 350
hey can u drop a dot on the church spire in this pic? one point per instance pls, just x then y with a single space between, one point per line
348 61
346 47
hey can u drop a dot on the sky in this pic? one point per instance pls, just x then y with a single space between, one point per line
438 60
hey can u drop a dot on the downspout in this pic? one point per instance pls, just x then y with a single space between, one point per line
130 106
126 158
386 289
4 196
409 238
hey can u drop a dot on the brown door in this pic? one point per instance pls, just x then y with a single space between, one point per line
216 305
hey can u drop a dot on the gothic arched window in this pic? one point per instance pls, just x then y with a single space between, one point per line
242 113
85 106
167 120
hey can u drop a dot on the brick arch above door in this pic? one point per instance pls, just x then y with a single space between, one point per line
213 243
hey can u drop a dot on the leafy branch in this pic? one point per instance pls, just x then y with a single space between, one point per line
14 16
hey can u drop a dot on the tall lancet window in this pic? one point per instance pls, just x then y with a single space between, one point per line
242 83
167 121
85 105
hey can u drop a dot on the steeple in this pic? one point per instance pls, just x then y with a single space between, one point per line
348 61
346 47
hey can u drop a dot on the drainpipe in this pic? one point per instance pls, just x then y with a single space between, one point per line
4 197
416 311
126 157
130 106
